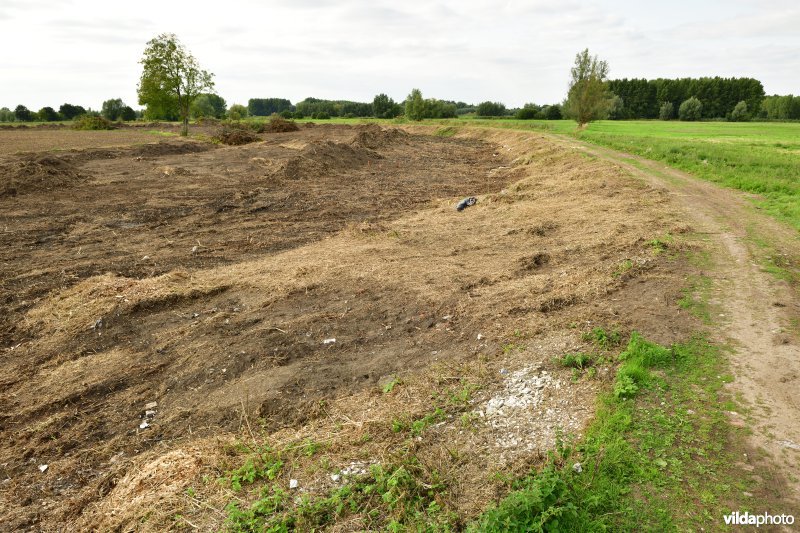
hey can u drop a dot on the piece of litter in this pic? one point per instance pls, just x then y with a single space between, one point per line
328 341
577 468
335 478
466 202
293 483
150 405
480 336
150 413
145 258
503 371
194 249
43 468
144 425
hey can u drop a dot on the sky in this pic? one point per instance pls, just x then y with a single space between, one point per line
85 52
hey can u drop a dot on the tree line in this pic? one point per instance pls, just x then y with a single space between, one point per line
643 99
174 87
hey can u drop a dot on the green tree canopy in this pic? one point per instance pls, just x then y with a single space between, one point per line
588 98
691 109
69 111
208 105
490 109
48 114
264 107
739 113
112 109
415 105
237 112
23 114
171 75
385 107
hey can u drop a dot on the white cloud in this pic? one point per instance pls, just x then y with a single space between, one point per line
515 51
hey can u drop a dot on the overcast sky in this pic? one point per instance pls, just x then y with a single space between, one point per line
84 52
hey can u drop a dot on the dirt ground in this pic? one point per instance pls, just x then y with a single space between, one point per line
212 281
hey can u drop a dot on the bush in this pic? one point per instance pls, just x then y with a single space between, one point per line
322 115
691 109
526 113
666 111
286 114
91 122
739 113
237 112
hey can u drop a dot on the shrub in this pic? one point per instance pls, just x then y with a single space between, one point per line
739 113
666 111
526 113
237 112
691 109
322 115
91 122
286 114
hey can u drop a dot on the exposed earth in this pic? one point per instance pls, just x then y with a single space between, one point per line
160 297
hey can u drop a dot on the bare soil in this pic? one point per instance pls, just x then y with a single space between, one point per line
211 280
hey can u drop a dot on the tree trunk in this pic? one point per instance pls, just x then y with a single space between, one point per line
185 127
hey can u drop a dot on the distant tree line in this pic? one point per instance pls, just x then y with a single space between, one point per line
780 107
113 109
641 98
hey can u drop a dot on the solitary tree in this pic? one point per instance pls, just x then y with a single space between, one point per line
112 109
415 105
666 111
690 109
739 113
23 114
172 73
588 99
48 114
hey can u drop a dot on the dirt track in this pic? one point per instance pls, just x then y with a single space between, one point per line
207 279
759 313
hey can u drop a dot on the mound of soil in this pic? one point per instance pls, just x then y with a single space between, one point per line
169 148
326 156
374 137
36 173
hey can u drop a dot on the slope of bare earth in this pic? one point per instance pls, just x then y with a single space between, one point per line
208 280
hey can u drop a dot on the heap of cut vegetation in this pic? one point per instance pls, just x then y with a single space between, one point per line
235 134
90 122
